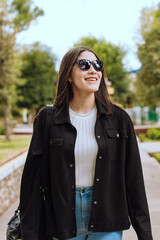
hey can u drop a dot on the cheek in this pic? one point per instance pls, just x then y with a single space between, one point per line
76 74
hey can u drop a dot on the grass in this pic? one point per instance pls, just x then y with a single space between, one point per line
14 147
144 138
157 156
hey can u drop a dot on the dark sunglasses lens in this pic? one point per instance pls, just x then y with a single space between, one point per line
98 65
84 64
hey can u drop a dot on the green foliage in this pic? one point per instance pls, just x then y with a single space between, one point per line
25 11
143 138
149 56
157 156
153 133
112 57
1 110
2 130
15 16
36 87
8 52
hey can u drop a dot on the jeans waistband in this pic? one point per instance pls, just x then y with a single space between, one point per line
84 189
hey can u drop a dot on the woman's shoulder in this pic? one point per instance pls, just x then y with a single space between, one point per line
44 110
43 114
118 109
120 112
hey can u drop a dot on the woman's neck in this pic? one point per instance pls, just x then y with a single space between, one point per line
82 105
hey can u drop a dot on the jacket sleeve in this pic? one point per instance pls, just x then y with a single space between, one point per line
29 193
137 202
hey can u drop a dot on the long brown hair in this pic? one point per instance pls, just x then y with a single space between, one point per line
64 89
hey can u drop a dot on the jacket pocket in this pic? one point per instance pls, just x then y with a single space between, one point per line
116 133
117 143
56 142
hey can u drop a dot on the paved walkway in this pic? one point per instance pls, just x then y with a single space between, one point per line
23 129
151 169
151 147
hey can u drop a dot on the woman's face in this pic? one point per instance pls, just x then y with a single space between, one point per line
88 81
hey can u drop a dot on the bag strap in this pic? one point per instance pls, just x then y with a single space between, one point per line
45 159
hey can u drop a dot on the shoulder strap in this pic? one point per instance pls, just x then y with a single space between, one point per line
45 159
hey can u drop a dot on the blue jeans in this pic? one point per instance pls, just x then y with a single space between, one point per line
83 207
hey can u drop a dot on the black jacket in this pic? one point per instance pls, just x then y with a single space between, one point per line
119 193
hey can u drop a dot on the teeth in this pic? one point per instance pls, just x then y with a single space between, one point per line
92 79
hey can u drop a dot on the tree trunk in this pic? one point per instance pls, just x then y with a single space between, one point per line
30 118
6 116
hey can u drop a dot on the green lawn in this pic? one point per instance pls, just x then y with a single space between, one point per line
144 138
17 145
157 156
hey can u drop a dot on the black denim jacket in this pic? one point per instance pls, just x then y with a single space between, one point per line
119 194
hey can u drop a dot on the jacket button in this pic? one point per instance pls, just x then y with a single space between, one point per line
117 135
100 157
95 202
72 186
97 179
71 165
92 226
73 208
98 136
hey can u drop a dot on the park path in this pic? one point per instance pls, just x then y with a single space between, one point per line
151 170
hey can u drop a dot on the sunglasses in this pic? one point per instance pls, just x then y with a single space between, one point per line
85 64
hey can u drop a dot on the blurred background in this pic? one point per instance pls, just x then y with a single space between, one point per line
34 36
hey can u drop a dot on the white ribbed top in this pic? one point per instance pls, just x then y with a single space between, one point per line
86 147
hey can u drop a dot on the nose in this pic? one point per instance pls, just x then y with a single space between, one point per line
92 70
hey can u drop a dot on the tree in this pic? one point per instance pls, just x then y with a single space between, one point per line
37 84
15 16
149 55
112 57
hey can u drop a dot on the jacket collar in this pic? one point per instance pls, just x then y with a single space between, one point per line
101 110
62 116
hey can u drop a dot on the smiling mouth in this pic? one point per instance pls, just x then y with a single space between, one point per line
91 79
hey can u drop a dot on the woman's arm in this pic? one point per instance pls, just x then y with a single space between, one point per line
137 202
30 183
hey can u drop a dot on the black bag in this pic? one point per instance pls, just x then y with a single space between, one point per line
14 226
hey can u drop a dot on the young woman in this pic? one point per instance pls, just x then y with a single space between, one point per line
95 185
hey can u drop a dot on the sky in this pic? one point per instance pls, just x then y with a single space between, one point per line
65 22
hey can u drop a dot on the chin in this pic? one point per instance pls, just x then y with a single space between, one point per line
93 90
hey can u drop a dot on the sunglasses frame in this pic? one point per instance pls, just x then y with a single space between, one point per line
91 63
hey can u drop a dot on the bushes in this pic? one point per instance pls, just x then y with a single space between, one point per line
157 156
153 133
2 130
